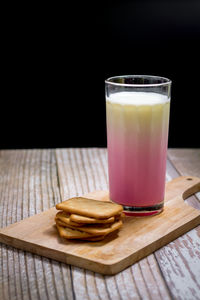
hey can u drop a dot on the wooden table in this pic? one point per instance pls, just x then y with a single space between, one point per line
34 180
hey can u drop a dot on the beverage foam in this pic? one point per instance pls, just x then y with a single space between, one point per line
137 98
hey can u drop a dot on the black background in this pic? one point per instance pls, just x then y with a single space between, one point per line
55 60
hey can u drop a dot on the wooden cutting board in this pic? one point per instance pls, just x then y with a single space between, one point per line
137 238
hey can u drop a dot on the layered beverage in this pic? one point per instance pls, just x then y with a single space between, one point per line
137 136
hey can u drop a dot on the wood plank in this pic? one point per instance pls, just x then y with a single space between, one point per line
38 234
179 261
28 185
186 161
101 281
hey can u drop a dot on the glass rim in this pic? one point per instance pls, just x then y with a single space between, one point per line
166 81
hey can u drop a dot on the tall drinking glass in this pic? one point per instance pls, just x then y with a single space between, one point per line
137 109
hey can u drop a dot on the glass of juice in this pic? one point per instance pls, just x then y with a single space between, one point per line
137 111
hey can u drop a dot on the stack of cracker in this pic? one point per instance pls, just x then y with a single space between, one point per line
87 219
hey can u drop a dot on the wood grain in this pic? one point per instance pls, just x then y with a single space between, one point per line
136 288
28 185
171 289
186 162
179 261
161 272
38 234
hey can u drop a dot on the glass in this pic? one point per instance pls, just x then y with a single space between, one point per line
137 111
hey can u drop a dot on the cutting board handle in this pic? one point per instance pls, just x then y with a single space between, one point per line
193 186
183 186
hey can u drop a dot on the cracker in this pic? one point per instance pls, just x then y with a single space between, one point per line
59 222
103 229
62 224
70 233
119 217
90 208
64 217
88 220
